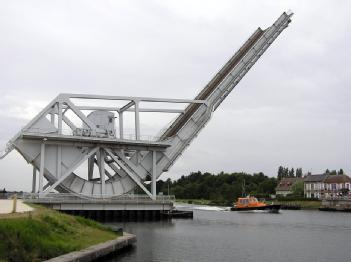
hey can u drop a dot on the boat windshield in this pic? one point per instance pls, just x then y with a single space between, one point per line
243 201
253 200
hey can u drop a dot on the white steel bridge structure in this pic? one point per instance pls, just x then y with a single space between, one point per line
56 146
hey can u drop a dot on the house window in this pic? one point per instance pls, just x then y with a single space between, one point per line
333 186
348 186
312 186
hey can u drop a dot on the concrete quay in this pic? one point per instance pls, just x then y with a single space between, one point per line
97 251
126 208
336 204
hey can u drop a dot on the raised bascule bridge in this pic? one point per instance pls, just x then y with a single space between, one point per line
72 131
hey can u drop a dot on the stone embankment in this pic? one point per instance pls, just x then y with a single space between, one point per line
336 204
97 251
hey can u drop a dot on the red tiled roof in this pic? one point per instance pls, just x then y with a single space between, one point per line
286 183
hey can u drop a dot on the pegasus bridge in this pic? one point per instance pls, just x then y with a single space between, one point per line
72 131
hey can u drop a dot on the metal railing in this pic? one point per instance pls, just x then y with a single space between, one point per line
348 198
69 132
78 198
9 147
2 153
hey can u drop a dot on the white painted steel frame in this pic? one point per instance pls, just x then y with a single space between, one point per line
131 161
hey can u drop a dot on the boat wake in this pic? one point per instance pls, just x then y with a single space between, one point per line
209 208
202 207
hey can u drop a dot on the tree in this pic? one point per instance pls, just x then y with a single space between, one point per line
298 172
221 189
341 171
280 172
333 173
327 172
292 172
297 189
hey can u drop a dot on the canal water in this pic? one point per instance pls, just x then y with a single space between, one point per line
218 235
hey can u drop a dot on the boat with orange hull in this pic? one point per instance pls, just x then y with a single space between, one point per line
251 203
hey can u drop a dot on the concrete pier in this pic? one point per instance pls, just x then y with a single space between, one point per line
336 204
97 251
119 215
126 208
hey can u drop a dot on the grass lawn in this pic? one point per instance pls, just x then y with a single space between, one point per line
46 233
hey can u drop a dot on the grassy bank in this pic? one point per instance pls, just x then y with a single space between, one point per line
304 204
45 233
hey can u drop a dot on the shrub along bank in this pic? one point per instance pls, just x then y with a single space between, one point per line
46 233
221 189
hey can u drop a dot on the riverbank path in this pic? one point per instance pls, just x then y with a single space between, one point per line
6 206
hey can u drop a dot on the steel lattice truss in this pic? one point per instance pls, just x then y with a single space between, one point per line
54 144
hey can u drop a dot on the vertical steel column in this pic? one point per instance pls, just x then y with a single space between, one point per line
52 118
91 167
154 175
59 161
102 171
59 148
34 182
120 114
42 166
59 123
137 120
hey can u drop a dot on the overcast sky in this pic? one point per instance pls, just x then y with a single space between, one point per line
293 108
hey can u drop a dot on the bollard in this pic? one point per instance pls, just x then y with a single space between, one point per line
14 205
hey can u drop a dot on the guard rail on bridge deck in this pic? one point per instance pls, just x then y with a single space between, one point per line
128 207
55 198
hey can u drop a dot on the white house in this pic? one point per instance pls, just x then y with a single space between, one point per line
320 186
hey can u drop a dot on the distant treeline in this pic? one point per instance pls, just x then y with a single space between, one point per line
222 188
286 172
225 188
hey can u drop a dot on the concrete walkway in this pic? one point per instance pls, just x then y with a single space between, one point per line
6 206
